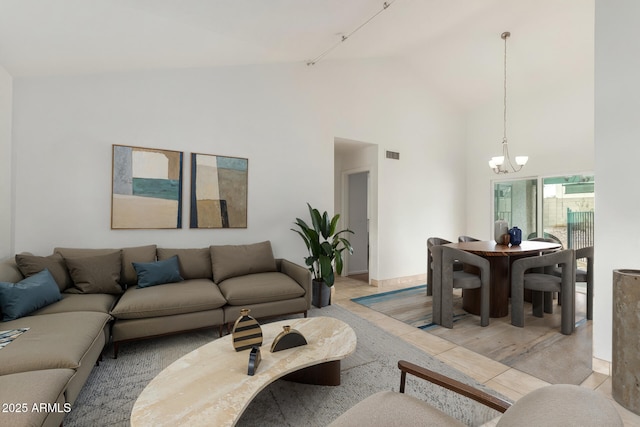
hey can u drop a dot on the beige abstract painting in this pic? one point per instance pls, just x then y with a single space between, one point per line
219 187
147 188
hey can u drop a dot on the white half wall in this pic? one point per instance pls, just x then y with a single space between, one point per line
617 135
283 118
6 175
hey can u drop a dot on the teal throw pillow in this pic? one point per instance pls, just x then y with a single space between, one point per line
158 273
28 295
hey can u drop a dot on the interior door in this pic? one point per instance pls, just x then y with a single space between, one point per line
358 223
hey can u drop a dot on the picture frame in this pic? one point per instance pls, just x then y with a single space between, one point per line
146 190
219 191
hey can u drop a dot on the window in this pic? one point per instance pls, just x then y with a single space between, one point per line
517 203
566 208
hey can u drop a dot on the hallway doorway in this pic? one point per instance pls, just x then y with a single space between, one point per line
358 222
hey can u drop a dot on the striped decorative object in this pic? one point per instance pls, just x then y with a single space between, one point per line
246 332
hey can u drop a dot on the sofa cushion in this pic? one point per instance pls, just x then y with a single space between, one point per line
28 295
562 405
32 264
26 389
194 263
237 260
260 288
53 341
128 275
389 408
169 299
101 303
9 271
158 272
96 274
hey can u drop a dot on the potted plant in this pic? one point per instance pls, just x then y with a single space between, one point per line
325 248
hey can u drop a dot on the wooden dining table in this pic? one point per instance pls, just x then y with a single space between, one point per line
500 259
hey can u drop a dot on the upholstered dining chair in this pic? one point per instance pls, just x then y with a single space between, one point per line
547 237
445 279
431 242
540 283
583 275
552 406
467 239
548 296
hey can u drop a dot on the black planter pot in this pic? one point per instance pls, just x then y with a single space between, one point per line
320 295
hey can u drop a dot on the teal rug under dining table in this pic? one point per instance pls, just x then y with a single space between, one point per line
409 305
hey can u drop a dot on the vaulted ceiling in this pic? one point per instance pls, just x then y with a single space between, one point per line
454 44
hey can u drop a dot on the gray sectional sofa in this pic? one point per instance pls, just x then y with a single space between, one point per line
120 295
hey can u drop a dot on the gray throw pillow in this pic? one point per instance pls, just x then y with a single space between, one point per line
194 263
32 264
98 274
238 260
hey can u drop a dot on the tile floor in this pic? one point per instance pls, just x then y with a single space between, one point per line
508 381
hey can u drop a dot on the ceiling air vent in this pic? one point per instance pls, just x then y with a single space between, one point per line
393 155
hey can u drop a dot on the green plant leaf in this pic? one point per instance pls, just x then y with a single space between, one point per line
324 254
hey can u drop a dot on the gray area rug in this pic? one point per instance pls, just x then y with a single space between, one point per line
111 391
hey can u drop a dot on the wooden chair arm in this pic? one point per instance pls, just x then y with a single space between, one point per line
450 384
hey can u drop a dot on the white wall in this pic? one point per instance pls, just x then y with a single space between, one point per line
283 118
65 126
422 194
6 99
617 94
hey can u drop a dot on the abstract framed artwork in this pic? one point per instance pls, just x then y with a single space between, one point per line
219 187
147 188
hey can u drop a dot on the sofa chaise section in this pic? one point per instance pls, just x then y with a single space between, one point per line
27 393
56 341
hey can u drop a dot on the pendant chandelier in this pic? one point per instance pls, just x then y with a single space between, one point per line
502 164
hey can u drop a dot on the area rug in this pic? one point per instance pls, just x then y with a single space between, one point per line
538 349
408 305
112 388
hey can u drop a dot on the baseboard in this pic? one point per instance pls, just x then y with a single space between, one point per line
601 366
418 279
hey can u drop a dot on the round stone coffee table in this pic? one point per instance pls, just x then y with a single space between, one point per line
210 385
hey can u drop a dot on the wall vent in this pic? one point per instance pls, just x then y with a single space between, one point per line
393 155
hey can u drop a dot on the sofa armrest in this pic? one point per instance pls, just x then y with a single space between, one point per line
298 273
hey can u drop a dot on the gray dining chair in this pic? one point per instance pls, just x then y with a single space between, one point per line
541 283
467 239
548 296
584 275
445 279
431 242
547 237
